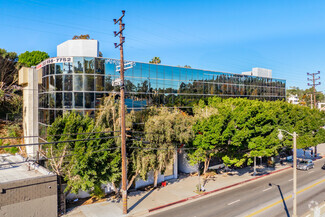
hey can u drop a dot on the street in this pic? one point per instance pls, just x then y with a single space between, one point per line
258 198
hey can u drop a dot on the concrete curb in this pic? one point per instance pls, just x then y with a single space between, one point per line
220 189
216 190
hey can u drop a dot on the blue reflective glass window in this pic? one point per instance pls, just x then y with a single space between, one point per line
145 73
89 65
189 74
58 113
58 68
110 68
129 86
78 64
137 70
160 73
98 99
52 69
51 100
67 68
100 66
58 100
67 100
67 81
99 80
89 82
46 116
183 74
51 116
152 70
89 100
137 83
161 86
78 82
51 83
78 100
58 82
108 83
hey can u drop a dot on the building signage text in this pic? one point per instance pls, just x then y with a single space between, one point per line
55 60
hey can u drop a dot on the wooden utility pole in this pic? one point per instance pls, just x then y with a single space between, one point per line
122 95
314 84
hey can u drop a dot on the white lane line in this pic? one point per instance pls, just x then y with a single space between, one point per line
267 189
233 202
311 171
290 180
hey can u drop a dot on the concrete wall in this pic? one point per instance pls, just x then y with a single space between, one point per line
35 197
183 164
29 79
161 177
78 48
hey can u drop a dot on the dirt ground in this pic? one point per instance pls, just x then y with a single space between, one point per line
4 133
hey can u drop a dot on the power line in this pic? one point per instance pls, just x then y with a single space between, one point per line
71 134
56 142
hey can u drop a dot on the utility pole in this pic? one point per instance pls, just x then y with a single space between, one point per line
122 95
314 84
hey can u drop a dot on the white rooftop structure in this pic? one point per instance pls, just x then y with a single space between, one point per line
78 48
293 99
259 72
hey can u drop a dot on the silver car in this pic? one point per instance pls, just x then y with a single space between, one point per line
305 165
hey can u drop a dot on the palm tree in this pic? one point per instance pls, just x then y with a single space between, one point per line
155 60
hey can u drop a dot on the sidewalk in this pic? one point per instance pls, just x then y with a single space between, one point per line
182 189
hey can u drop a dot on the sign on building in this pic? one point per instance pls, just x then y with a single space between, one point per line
55 60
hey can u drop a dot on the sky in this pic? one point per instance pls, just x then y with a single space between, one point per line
220 35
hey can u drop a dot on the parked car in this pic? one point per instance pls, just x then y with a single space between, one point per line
305 165
323 167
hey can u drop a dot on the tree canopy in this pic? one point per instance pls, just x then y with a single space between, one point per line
81 37
33 58
240 129
10 96
155 60
87 163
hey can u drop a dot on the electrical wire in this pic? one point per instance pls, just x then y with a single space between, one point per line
56 142
59 135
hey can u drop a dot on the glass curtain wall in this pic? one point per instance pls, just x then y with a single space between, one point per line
80 85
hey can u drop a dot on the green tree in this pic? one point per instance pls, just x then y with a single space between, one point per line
81 37
239 129
164 130
87 163
10 95
33 58
155 60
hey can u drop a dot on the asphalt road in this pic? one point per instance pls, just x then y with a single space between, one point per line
257 198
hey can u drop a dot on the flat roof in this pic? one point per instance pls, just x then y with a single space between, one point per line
14 167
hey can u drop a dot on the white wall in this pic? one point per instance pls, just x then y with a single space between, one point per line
30 108
183 164
78 48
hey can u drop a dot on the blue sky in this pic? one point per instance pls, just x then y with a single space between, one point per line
222 35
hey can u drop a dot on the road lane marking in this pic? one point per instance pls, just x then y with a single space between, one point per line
290 180
288 197
233 202
267 189
312 171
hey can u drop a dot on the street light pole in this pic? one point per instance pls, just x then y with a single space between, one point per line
294 195
294 174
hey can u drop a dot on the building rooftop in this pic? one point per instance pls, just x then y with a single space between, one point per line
13 168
